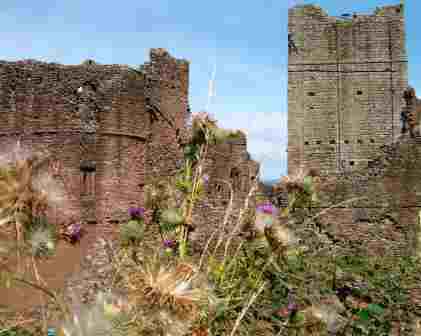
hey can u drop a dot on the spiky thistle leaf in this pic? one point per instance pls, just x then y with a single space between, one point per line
132 231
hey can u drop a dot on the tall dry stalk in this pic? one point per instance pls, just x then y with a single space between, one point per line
17 198
244 311
224 222
240 217
188 208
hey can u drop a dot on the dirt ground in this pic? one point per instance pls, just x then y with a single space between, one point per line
54 271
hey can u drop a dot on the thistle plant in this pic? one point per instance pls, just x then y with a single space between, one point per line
161 194
73 233
204 133
133 230
169 246
42 242
136 213
22 199
168 294
265 215
189 183
302 189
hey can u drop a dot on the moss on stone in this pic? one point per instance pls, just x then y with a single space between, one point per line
344 24
379 11
308 10
299 39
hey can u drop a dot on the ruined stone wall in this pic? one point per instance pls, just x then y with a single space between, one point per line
55 107
114 129
389 214
384 222
167 100
345 85
96 120
121 150
412 113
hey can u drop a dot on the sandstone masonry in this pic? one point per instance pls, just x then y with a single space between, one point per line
347 93
112 128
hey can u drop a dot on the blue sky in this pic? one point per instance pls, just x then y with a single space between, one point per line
246 39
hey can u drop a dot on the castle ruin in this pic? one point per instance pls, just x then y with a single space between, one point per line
112 128
346 80
352 115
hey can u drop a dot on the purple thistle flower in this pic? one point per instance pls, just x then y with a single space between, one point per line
74 232
136 213
205 178
75 228
266 207
169 243
292 307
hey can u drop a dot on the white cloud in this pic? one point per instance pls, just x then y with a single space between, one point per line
267 138
264 126
263 150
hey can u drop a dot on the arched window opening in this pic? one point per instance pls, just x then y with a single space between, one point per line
235 177
87 170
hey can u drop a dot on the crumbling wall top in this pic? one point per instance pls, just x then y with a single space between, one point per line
308 9
315 11
163 54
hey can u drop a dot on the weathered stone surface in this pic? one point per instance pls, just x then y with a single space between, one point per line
112 128
347 93
347 87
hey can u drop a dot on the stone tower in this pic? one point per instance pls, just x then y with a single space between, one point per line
346 78
109 126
